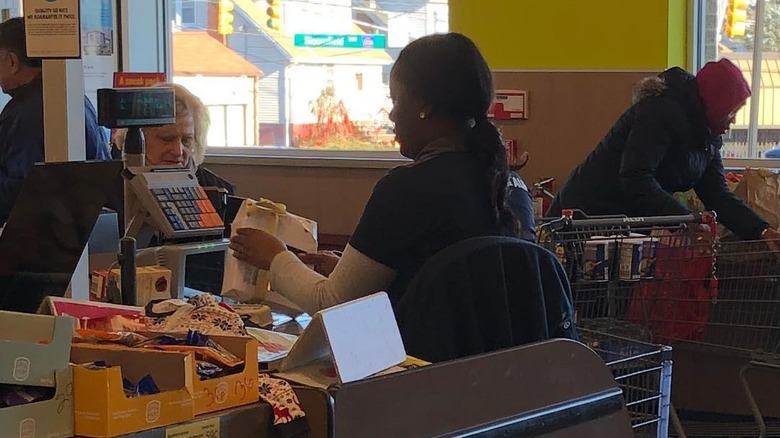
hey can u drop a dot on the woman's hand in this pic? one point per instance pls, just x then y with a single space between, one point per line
323 261
256 247
772 239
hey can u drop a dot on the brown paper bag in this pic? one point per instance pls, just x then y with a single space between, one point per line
760 189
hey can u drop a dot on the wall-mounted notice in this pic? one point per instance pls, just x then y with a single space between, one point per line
52 28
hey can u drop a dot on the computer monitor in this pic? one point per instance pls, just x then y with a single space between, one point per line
104 241
49 227
197 265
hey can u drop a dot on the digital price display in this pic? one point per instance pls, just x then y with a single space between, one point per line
135 107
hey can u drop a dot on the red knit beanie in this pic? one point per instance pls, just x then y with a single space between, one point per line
722 88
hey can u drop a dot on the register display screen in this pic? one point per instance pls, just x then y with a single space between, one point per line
125 107
204 272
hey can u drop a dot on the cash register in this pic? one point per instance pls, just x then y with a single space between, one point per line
165 201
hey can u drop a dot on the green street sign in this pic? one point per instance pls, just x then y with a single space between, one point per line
366 41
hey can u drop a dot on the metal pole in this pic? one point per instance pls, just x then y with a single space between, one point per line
755 86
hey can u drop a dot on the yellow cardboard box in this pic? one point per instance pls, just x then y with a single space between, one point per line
152 283
233 390
230 391
101 407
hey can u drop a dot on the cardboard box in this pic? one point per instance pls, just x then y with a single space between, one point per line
637 257
232 390
152 283
45 419
101 407
224 392
596 258
33 347
94 315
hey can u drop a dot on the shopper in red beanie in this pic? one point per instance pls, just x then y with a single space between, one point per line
668 141
723 90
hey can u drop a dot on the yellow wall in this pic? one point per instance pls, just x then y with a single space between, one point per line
575 34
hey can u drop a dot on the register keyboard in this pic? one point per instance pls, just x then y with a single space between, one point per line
177 205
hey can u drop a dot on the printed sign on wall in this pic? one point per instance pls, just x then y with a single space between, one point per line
52 28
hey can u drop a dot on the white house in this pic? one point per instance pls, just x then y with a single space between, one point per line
224 81
294 75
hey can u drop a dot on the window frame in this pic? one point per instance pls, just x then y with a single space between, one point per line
697 57
274 155
180 6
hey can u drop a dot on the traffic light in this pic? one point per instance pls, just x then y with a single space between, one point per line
274 21
225 17
736 18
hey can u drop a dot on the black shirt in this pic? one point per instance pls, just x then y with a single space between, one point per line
418 210
521 204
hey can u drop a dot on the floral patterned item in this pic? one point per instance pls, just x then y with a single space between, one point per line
202 313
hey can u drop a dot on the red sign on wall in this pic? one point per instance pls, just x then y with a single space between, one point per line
129 79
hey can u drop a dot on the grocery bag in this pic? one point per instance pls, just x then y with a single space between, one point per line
246 283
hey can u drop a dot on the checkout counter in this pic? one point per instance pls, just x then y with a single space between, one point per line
509 393
557 388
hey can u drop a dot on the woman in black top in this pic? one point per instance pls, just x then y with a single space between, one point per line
455 188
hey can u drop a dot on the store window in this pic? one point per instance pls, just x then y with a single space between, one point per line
228 125
313 73
185 13
748 33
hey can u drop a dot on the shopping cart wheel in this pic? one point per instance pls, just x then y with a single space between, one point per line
679 432
751 400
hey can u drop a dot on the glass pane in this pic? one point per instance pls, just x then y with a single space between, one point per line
216 135
306 90
724 38
187 12
769 102
236 125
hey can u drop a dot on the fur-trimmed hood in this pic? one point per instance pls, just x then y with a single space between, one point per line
680 86
647 87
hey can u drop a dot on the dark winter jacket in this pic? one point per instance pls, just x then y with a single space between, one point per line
466 300
659 146
21 139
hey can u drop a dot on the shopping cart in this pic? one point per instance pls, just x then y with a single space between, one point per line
627 275
670 281
642 370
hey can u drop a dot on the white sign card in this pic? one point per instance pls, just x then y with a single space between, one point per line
52 28
345 343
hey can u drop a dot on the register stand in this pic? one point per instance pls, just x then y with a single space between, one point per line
157 199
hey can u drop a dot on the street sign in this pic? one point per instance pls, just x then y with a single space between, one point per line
365 41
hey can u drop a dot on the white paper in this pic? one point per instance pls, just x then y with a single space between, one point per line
271 345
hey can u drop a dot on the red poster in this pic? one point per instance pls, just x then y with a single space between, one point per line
129 79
